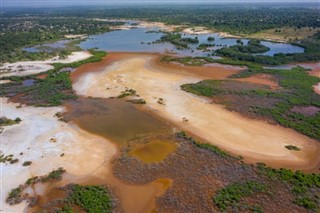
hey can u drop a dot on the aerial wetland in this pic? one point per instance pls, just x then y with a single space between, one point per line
150 117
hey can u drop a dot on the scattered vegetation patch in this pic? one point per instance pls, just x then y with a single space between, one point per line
253 46
27 163
210 38
177 40
127 92
17 195
138 101
51 91
305 187
8 159
4 121
292 147
161 101
275 105
54 175
200 145
230 196
205 46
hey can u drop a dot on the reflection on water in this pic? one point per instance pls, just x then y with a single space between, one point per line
140 40
28 82
114 119
48 47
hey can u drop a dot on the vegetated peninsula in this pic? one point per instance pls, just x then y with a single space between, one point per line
193 108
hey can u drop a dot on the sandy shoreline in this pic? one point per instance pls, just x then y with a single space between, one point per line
42 138
254 140
87 158
32 67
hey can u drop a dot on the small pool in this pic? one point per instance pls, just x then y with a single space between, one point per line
28 82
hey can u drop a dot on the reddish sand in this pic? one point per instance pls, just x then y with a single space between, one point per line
264 79
215 71
42 76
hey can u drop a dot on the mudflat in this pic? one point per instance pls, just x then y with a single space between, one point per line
256 141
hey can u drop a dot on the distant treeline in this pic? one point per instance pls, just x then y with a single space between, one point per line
237 19
17 33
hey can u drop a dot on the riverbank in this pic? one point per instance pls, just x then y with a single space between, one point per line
48 143
23 68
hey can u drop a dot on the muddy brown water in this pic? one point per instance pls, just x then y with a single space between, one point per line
114 119
154 151
120 122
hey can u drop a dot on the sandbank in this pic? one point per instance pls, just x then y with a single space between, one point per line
256 141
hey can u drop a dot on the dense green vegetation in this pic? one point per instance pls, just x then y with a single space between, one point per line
20 32
244 53
93 199
52 90
177 40
88 198
210 38
304 186
231 195
253 46
205 46
234 18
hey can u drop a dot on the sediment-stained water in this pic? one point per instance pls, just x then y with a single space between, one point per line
154 151
114 119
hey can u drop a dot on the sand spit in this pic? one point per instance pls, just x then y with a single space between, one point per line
73 36
42 138
32 67
227 35
197 31
257 141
